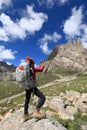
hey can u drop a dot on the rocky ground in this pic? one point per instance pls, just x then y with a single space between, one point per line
14 122
66 105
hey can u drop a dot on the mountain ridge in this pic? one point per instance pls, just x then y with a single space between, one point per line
71 55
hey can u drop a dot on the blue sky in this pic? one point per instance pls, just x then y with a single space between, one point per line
34 27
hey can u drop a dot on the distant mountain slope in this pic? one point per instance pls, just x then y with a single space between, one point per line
68 56
7 72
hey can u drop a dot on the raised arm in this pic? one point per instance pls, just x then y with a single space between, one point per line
39 68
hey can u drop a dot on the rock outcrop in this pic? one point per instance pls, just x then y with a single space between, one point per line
14 122
71 56
68 103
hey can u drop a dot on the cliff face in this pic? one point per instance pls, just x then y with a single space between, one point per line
70 55
7 72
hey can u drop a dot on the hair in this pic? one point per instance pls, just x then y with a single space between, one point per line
29 59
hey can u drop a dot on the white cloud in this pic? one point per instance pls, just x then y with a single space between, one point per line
6 53
73 25
33 22
45 48
9 63
28 24
62 2
43 42
84 37
5 3
22 62
3 35
51 3
10 29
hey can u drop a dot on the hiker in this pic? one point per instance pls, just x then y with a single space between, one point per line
34 90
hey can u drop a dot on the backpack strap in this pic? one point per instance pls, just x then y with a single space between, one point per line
29 72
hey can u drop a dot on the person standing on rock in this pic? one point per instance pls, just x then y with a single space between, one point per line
35 90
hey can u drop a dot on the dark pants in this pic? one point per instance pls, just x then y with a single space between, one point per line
38 93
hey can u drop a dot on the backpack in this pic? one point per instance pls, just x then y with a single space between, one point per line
24 77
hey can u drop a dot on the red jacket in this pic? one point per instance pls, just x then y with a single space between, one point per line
37 69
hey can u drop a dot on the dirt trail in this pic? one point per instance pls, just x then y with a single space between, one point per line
64 79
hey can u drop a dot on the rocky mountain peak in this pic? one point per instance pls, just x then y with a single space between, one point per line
71 55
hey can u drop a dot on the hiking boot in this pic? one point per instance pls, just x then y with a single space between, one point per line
26 117
37 114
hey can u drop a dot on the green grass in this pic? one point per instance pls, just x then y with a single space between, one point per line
65 72
75 124
9 88
12 104
53 75
46 78
79 84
